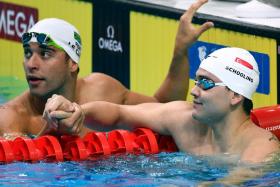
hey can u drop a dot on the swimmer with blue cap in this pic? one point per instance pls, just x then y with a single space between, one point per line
52 52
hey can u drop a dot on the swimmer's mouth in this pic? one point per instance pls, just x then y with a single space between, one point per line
197 103
34 78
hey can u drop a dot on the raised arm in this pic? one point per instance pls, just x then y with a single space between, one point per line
174 87
176 84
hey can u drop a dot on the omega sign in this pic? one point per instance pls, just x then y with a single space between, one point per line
16 20
109 43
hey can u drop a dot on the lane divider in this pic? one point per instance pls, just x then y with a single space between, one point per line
140 141
267 118
57 149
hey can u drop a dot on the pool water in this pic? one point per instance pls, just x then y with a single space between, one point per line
164 169
10 87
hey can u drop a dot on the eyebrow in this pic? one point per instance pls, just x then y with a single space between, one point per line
46 48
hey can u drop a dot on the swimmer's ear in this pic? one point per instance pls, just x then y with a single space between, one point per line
236 98
73 65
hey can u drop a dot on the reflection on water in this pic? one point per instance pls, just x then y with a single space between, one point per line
164 169
10 87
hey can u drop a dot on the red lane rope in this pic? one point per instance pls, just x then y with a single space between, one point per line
140 141
267 118
56 149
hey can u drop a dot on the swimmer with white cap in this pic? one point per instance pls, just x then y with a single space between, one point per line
57 33
216 123
52 51
233 68
236 68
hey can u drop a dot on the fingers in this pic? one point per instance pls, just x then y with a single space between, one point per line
59 114
62 116
79 115
58 102
77 128
187 33
50 120
188 15
50 125
73 124
204 27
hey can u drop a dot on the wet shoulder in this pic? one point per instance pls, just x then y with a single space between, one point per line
18 105
99 79
255 135
258 144
98 86
255 132
180 114
13 115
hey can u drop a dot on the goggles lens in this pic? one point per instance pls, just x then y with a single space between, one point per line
41 38
206 84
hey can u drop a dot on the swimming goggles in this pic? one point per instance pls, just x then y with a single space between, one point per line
42 39
206 84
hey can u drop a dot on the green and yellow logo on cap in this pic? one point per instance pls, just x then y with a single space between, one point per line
77 38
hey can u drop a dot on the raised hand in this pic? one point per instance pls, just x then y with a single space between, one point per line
176 84
187 33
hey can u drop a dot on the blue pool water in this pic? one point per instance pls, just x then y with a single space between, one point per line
164 169
10 87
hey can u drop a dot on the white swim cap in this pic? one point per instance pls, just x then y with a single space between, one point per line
62 33
236 68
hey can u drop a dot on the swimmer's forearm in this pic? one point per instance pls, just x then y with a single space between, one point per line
175 85
100 112
125 116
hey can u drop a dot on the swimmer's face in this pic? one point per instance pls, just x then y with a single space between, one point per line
212 103
47 69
